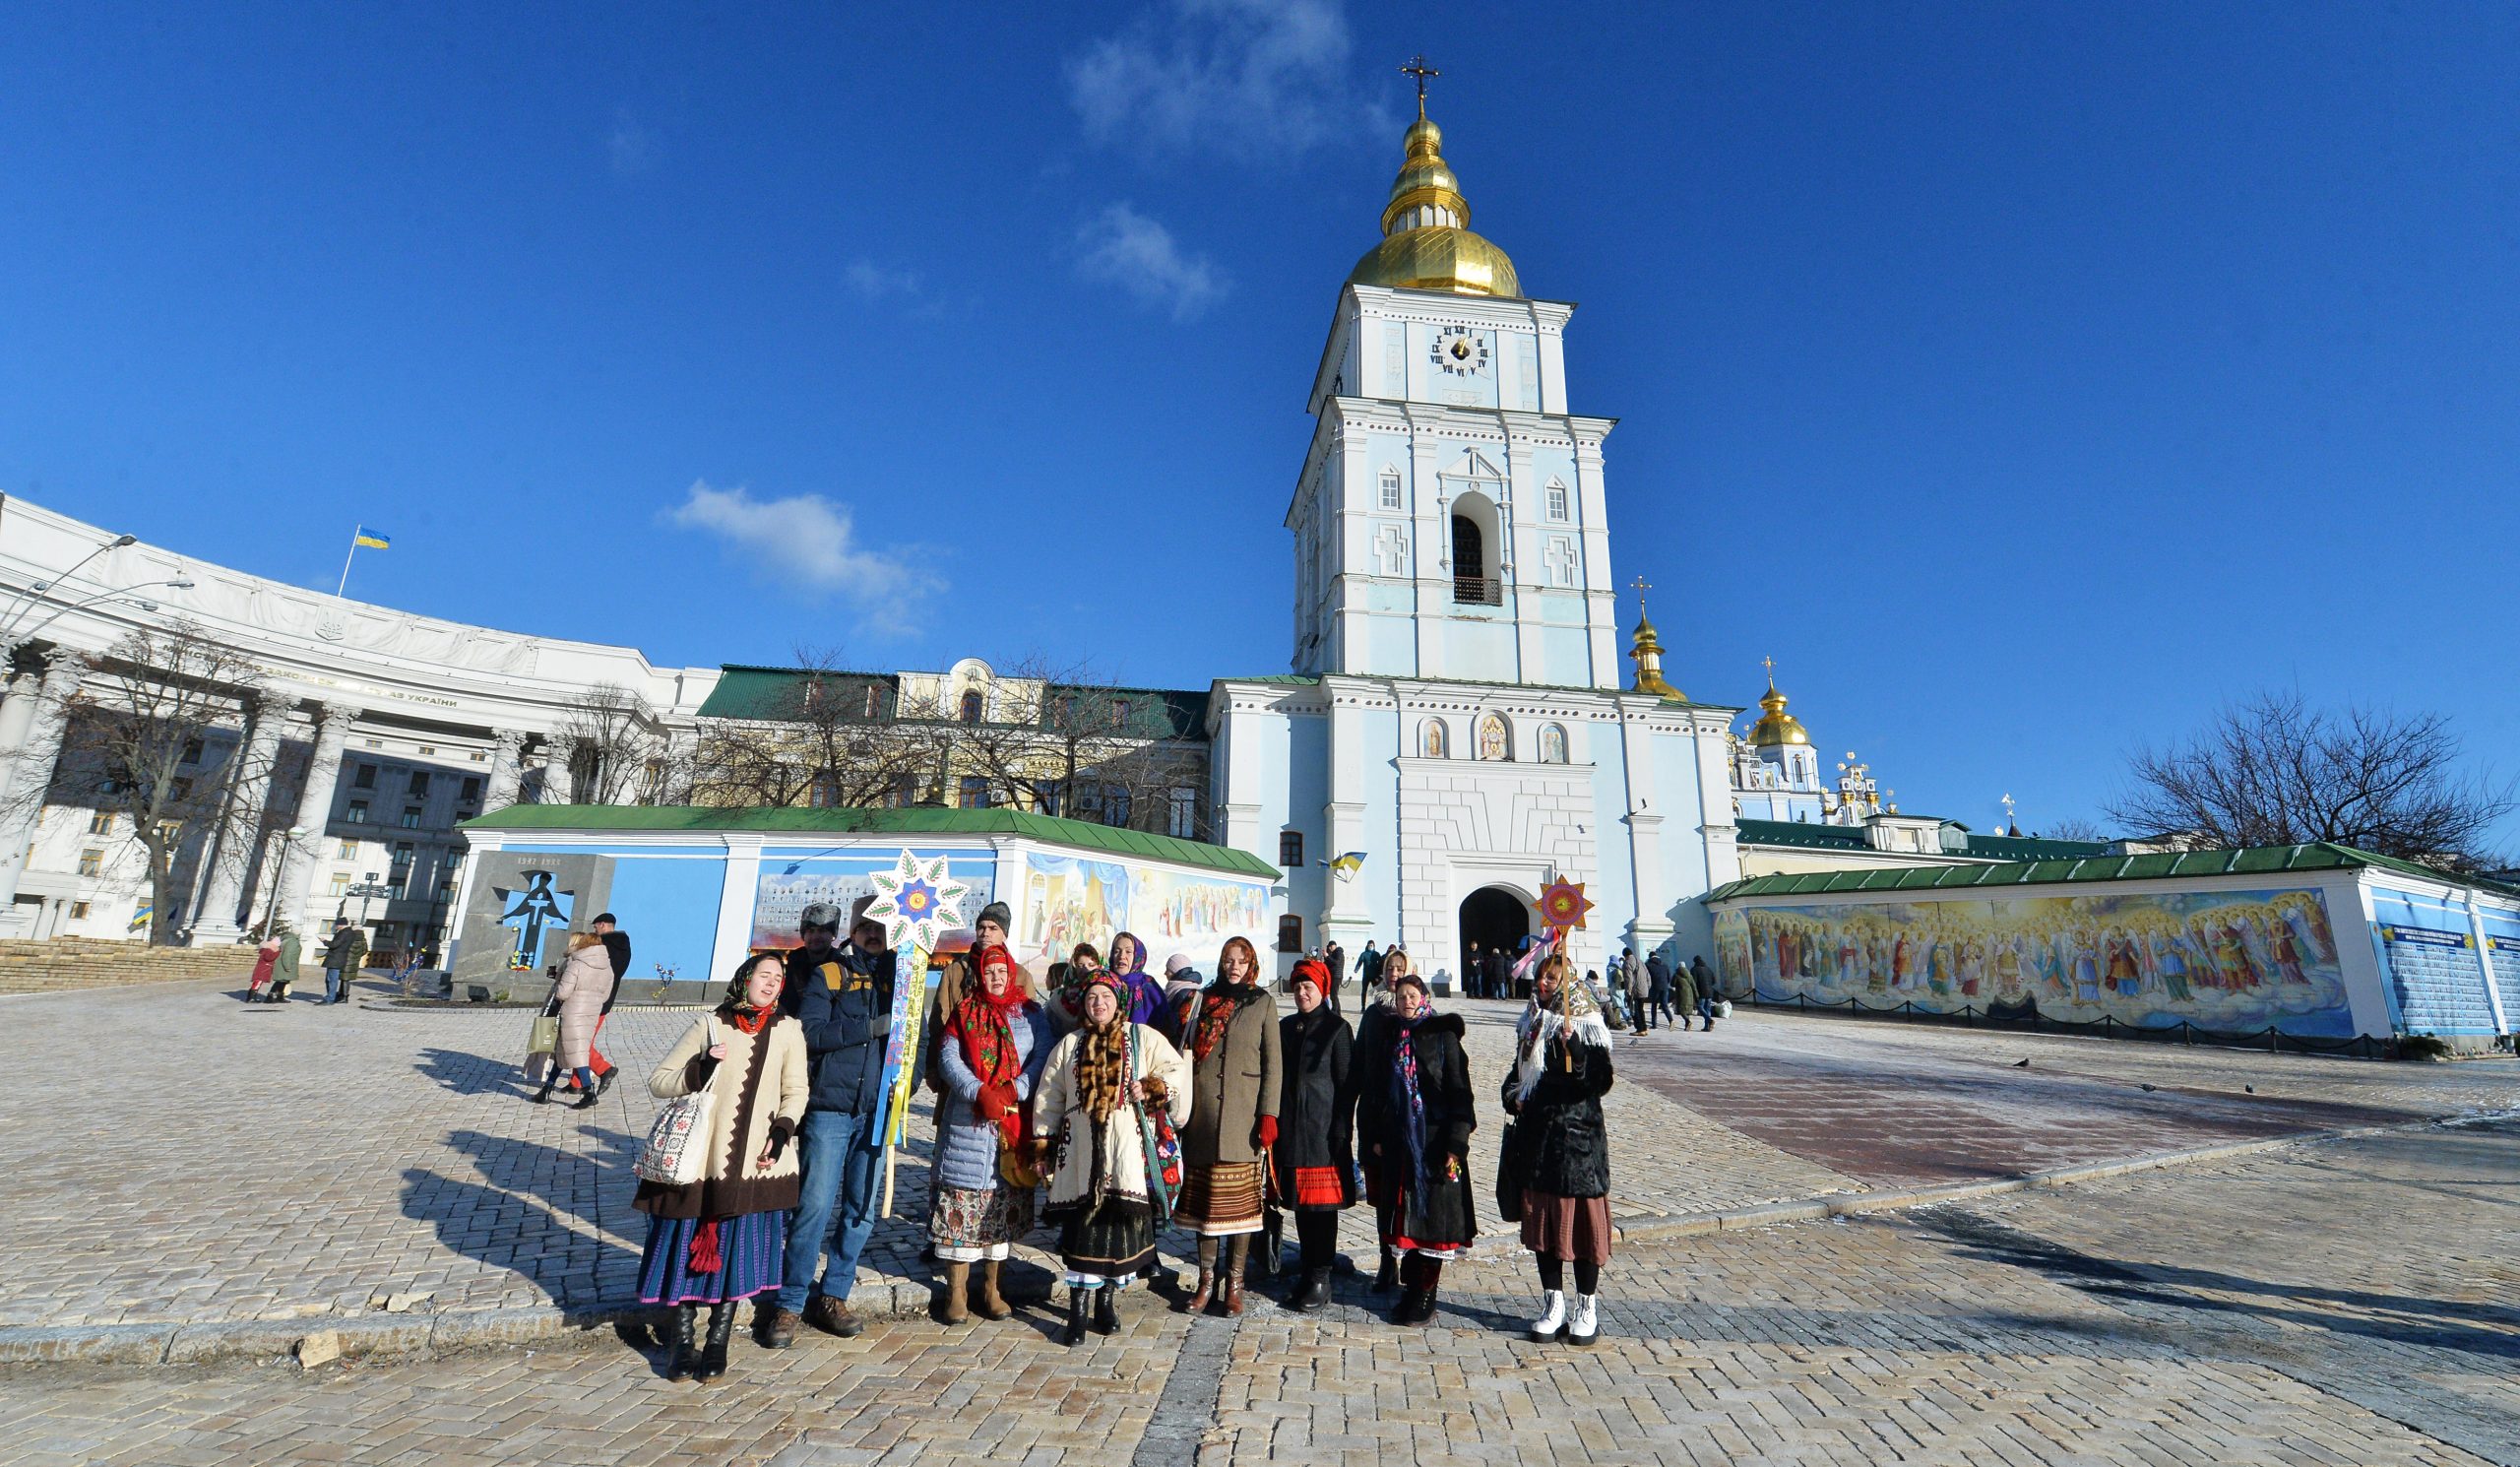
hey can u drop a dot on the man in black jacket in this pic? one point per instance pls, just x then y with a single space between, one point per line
844 998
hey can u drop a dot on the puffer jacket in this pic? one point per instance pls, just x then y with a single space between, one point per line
967 1147
846 1008
586 979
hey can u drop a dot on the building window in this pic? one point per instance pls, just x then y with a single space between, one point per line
1290 933
356 814
412 818
419 782
1291 848
91 862
101 822
182 789
1390 488
1120 714
77 912
1552 743
347 851
1496 738
905 791
874 703
1182 813
824 794
1555 498
1115 806
365 779
192 751
1433 743
471 789
971 707
974 791
339 885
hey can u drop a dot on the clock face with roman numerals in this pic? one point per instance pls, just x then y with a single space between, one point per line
1460 352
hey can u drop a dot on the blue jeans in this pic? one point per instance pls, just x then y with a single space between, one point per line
332 984
844 1159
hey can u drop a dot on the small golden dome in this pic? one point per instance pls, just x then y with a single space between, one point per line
1776 728
1427 244
1647 651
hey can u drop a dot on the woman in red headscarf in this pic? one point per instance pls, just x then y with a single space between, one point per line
995 1043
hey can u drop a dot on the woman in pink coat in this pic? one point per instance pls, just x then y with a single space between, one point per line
586 981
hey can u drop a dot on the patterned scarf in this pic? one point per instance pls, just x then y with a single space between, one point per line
1412 1104
1215 1010
984 1027
1103 1069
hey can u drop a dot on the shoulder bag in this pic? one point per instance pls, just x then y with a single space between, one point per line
676 1153
1163 1145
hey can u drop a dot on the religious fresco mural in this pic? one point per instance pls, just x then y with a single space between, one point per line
2233 961
784 889
1069 900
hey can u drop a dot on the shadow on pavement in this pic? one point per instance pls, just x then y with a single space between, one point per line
472 1074
517 1216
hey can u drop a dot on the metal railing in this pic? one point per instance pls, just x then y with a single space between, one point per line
1478 591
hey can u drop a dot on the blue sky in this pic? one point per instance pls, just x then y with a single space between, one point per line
2026 379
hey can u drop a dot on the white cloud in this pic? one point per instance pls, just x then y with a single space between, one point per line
1245 76
875 282
629 144
1126 249
809 542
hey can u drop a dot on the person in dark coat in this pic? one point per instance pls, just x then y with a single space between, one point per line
1417 1111
843 1005
1683 993
1658 979
1371 1041
1706 994
1335 958
1557 1160
1500 973
1314 1160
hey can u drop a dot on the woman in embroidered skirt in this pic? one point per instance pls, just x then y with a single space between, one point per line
1314 1158
995 1044
725 1238
1236 1089
1559 1164
1416 1111
1100 1098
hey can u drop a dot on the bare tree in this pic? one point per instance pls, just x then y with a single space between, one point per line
830 739
2272 771
621 753
2074 828
1066 739
151 740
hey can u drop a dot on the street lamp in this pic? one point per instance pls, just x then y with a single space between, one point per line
279 879
115 543
9 637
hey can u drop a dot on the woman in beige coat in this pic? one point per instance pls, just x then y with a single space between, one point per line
724 1237
1097 1103
1236 1085
586 981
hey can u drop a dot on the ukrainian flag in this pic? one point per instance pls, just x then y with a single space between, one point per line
370 538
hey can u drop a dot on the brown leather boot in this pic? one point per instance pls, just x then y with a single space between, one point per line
957 1283
1200 1295
1238 1254
991 1303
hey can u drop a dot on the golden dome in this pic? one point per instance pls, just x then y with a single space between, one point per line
1647 650
1426 242
1776 728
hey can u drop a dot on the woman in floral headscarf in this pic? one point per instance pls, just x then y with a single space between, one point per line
1236 1090
1559 1166
996 1041
1415 1114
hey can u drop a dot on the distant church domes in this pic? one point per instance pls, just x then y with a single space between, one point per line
1427 244
1776 728
1647 650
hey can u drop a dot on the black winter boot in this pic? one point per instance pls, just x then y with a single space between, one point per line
1412 1296
712 1355
1314 1293
1074 1334
1430 1278
1387 1277
686 1359
1106 1308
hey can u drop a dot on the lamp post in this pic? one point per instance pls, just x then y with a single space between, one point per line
280 878
19 604
11 638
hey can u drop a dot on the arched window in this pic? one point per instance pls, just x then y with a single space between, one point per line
1475 551
1431 742
972 706
1495 740
1389 487
1552 743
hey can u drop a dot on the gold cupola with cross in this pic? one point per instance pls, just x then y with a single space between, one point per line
1427 243
1776 728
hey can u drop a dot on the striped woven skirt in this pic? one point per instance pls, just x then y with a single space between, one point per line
753 1254
1220 1200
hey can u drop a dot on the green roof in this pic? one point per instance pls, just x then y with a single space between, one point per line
748 692
917 820
2246 860
1809 836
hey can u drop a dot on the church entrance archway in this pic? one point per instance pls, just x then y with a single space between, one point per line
1491 917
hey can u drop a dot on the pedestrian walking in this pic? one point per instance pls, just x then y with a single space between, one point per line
1640 992
1369 973
344 956
1556 1160
266 955
844 1012
1142 990
284 966
1314 1161
1681 989
995 1044
617 951
1663 988
1101 1094
1235 1091
1415 1113
724 1237
585 976
1707 999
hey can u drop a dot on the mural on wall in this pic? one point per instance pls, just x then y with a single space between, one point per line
1069 900
785 889
2226 960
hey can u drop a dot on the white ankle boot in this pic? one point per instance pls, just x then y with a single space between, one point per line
1552 1315
1585 1324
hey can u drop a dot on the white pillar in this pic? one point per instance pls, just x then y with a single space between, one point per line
507 770
215 916
29 773
315 812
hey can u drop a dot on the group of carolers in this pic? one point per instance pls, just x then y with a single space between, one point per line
1121 1105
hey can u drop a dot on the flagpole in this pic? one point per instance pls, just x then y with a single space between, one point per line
346 567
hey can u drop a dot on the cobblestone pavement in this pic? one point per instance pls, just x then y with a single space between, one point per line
2260 1310
199 1160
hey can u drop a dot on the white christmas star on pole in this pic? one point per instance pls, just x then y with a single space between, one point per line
917 901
